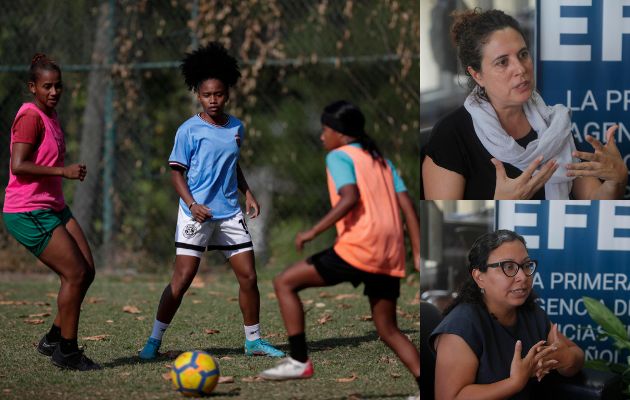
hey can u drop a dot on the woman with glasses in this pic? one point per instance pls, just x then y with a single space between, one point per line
495 342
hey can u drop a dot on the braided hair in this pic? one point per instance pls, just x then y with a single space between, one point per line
210 62
346 118
478 256
41 62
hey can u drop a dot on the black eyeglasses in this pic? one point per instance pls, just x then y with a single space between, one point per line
510 268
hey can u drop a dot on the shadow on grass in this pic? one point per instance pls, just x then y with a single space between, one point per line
218 352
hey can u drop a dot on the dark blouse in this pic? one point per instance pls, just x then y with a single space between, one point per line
454 145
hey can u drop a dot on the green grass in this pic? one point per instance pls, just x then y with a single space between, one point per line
343 346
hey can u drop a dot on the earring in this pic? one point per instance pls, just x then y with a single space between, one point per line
483 291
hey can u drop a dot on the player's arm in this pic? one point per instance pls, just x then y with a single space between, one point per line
199 212
252 208
348 199
21 164
413 225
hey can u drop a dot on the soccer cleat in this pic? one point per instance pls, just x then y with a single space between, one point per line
261 347
75 361
288 368
150 350
45 347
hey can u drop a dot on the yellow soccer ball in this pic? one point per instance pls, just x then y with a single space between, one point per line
195 373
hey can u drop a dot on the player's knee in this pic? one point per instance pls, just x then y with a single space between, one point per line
248 281
279 282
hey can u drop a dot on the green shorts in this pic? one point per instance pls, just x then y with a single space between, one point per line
33 229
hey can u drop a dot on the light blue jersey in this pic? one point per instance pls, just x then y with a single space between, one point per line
209 153
341 168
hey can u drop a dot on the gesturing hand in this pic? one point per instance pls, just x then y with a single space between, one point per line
605 163
75 171
526 185
522 369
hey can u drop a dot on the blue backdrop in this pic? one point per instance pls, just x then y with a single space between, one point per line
583 249
583 62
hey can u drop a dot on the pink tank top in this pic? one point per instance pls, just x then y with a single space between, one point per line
30 192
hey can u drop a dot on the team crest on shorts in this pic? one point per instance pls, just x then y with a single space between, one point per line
190 230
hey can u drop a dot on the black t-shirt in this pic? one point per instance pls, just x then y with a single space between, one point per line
493 343
454 145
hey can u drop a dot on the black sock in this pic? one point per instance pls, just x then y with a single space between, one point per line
297 346
418 380
54 334
68 346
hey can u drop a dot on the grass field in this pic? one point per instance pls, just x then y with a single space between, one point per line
350 361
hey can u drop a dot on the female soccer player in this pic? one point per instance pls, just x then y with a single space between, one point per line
366 195
36 214
207 177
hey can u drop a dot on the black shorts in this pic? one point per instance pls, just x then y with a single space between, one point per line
333 269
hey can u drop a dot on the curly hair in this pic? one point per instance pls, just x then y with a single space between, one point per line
210 62
470 32
478 259
41 62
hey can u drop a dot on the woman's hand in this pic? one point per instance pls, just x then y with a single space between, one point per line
74 171
252 208
302 237
200 213
522 369
526 185
605 163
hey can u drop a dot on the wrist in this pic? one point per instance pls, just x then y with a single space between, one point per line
192 204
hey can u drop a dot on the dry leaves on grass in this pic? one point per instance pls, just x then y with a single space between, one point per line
140 318
40 315
197 283
110 321
351 378
94 300
197 301
166 376
344 306
252 379
14 302
226 358
320 305
346 296
395 375
211 331
271 296
325 295
131 309
416 300
34 321
365 318
232 299
96 338
226 379
52 295
388 360
324 319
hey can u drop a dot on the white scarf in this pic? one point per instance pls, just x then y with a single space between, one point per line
553 125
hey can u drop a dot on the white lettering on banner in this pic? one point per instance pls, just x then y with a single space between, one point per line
622 308
609 222
538 282
561 306
613 99
608 281
598 131
510 219
560 219
592 353
606 239
614 26
552 26
580 332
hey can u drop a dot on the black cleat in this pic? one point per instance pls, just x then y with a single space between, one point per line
75 361
47 348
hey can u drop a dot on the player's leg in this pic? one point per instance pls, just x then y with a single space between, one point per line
384 317
186 267
233 239
63 255
191 239
287 284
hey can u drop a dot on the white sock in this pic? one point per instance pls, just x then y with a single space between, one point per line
158 330
252 332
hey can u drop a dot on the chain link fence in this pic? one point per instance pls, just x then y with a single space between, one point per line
124 98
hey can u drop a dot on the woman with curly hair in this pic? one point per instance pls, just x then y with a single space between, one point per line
207 177
494 339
